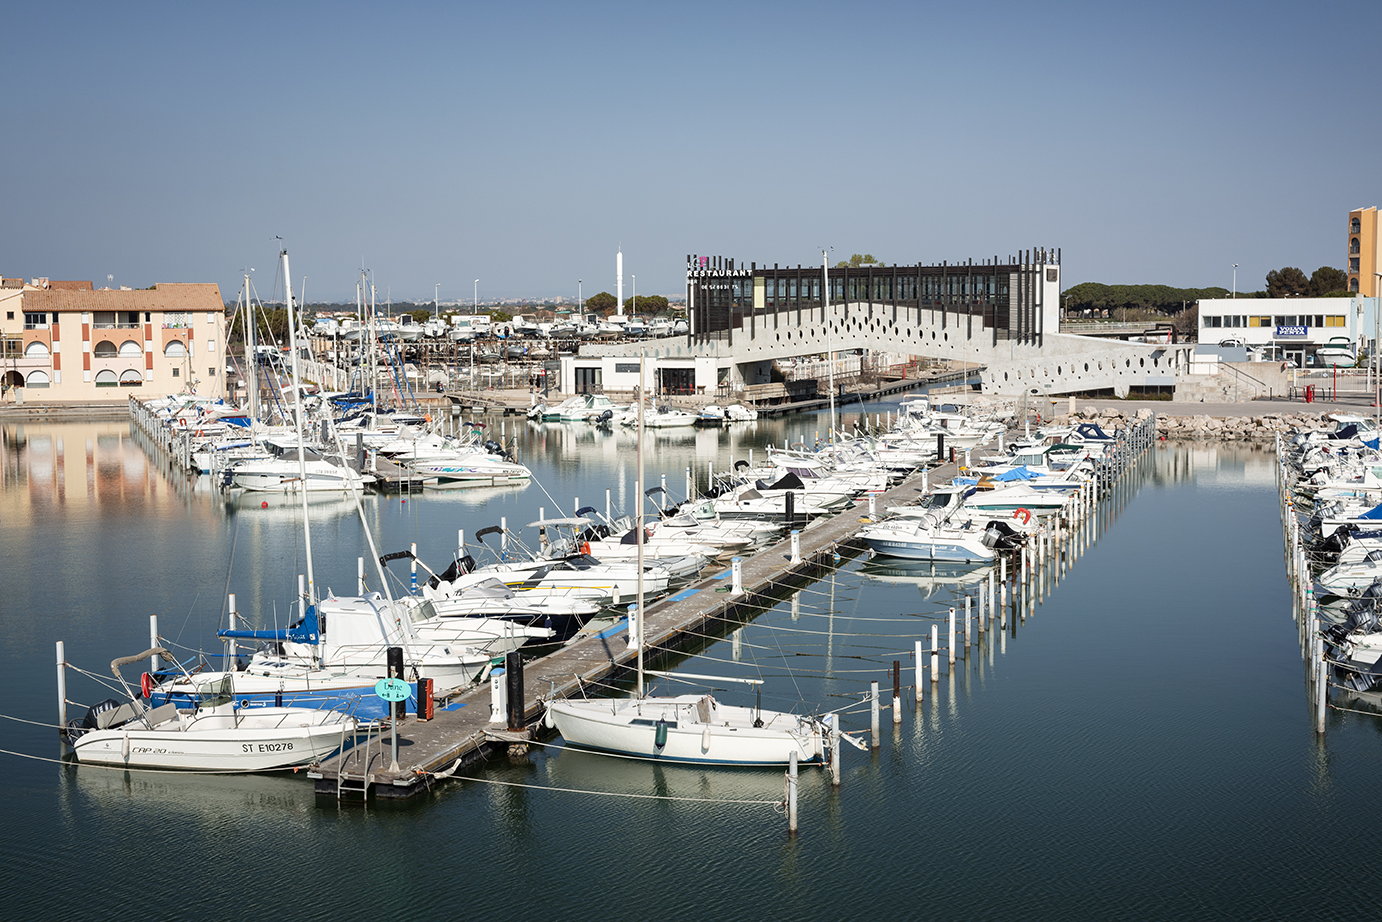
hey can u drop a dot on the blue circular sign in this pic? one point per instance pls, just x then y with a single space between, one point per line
392 689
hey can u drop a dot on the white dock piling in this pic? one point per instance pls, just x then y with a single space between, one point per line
935 653
873 507
873 714
690 487
897 693
412 566
230 643
969 638
736 577
736 645
950 640
991 595
792 793
916 655
62 686
796 545
835 750
608 516
153 642
360 573
504 535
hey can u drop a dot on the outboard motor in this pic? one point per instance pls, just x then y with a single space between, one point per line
605 418
493 447
79 725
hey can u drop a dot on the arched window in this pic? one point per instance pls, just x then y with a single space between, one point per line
36 350
37 379
105 349
175 349
1354 227
130 347
106 378
131 377
1353 246
1352 284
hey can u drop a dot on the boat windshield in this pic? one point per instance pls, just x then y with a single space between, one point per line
217 693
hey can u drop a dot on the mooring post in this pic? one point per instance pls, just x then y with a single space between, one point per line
897 692
979 609
950 639
690 487
835 750
504 535
916 655
62 687
736 577
992 606
230 642
873 713
792 792
969 639
513 690
873 507
412 566
935 653
153 642
796 545
360 573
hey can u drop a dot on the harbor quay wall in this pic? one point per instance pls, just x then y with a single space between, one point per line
1203 427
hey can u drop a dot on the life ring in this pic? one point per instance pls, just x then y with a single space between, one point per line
585 547
146 685
1024 514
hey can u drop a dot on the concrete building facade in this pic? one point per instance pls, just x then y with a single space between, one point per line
66 342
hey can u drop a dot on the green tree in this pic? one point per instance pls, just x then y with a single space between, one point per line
857 260
1097 298
421 315
646 304
1326 281
1289 282
603 303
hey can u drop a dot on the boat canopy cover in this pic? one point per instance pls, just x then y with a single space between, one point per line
1019 473
1344 433
1374 444
787 481
1374 513
1092 431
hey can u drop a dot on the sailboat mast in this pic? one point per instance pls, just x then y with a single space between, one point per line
298 411
829 356
251 357
638 523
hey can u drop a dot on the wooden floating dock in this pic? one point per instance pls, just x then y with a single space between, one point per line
461 733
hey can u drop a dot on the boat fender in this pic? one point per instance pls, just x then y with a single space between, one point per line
146 685
1024 514
705 740
660 737
125 746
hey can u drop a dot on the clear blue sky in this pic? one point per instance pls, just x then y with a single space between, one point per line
521 143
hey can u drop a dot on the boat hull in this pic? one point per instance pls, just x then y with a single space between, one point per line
631 727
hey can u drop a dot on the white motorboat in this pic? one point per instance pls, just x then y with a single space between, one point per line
215 735
283 475
916 539
1339 352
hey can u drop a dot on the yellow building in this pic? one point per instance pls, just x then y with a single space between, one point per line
1364 251
65 342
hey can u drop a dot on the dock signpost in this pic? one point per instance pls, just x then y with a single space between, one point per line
392 690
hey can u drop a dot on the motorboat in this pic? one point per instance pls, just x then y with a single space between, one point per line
1339 352
215 734
284 475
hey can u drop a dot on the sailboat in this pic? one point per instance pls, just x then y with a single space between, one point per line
683 728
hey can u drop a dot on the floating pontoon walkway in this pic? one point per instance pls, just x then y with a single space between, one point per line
461 732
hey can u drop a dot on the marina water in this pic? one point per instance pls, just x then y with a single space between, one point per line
1140 746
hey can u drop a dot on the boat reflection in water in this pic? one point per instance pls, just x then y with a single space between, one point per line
929 576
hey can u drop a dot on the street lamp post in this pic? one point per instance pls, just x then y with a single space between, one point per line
634 299
436 302
1235 280
475 308
580 300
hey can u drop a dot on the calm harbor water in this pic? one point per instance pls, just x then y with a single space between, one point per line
1140 747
